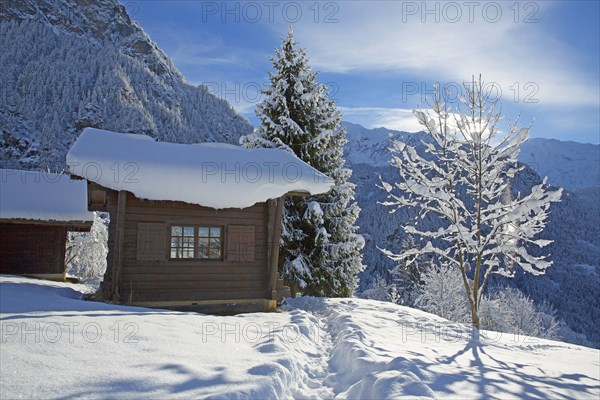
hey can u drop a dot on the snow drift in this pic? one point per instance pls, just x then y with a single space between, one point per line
56 345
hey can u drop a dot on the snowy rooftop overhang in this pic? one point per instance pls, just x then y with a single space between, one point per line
34 197
215 175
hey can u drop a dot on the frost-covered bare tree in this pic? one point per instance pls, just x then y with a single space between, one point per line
465 179
85 255
443 294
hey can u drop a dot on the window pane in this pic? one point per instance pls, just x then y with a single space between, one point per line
215 232
203 251
215 248
182 242
175 241
202 232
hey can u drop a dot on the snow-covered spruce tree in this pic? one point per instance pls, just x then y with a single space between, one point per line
465 179
320 252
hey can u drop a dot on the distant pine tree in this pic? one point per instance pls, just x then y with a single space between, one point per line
320 252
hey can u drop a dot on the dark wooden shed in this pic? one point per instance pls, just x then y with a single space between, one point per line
36 211
187 230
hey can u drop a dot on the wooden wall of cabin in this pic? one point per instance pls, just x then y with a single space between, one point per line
107 204
28 249
144 280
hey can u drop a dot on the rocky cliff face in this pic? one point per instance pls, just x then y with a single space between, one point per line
69 64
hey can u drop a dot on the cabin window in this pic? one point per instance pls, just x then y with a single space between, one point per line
182 241
200 242
209 242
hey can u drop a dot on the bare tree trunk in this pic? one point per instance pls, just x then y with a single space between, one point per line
475 339
475 326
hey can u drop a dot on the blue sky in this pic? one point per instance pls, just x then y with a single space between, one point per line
381 58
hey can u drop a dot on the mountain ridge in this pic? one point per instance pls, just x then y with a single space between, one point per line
579 165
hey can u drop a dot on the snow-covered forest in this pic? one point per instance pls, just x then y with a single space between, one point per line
58 78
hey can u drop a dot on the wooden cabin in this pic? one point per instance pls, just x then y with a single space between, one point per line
189 229
37 210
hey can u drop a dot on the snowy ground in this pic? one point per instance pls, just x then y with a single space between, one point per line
54 345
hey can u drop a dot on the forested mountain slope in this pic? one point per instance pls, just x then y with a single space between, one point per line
69 64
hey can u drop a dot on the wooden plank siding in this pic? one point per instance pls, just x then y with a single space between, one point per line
275 215
169 280
33 249
111 207
119 234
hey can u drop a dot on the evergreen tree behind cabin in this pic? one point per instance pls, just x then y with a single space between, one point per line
320 252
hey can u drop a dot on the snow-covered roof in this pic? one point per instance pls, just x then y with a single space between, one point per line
41 196
215 175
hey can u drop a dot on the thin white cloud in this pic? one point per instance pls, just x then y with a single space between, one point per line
245 108
375 37
200 55
399 119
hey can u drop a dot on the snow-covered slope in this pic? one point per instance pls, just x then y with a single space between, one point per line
57 346
568 164
70 64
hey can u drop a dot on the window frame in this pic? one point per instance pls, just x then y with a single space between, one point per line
196 244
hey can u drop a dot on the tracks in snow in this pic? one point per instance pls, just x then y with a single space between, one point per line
333 357
344 361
